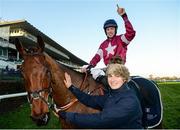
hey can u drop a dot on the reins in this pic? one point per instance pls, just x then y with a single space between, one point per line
85 78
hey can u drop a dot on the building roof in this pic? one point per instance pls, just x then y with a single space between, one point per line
34 31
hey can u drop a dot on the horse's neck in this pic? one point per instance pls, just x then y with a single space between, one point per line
57 71
76 77
61 93
52 64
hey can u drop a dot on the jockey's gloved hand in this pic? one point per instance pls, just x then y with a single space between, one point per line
88 69
62 114
97 73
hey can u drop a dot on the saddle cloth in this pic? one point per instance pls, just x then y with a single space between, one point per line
150 99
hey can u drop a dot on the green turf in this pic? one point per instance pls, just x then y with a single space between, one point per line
20 119
170 92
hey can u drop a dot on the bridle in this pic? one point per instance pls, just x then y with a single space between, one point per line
35 95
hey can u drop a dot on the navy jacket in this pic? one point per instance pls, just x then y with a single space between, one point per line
118 109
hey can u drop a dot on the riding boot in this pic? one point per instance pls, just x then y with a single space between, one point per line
103 80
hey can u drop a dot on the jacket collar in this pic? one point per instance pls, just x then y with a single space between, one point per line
111 39
124 87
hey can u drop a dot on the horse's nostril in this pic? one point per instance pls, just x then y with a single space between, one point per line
46 117
41 120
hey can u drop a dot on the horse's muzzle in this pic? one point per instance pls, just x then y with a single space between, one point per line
42 119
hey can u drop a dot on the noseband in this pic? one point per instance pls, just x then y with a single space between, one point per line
38 95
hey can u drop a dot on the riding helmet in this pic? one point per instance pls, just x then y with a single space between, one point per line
110 23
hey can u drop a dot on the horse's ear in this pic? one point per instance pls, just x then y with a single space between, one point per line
19 47
41 44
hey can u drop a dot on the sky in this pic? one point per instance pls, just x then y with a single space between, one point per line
77 25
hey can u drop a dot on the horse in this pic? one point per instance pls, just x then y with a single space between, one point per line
44 78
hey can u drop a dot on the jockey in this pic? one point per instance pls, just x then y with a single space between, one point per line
119 109
114 45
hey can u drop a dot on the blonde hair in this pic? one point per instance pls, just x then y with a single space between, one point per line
118 70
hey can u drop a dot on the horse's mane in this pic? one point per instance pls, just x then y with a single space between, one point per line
56 64
74 69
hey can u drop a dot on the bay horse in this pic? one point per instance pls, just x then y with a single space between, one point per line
44 78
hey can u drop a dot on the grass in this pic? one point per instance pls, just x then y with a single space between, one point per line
170 93
20 119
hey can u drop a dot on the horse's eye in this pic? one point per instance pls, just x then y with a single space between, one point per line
21 68
48 73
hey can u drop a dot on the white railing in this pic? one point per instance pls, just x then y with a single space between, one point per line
4 63
12 95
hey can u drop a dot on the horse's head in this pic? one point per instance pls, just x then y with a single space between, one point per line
37 80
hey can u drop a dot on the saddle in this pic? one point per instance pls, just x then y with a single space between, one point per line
150 99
